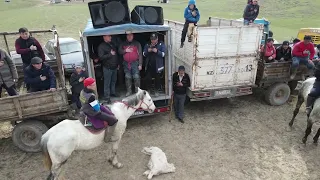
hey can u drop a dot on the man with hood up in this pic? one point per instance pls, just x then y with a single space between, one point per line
192 16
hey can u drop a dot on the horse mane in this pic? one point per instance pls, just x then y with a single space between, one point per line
134 99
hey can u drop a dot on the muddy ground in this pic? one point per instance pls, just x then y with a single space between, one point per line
242 138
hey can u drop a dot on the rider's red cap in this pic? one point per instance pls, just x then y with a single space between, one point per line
89 81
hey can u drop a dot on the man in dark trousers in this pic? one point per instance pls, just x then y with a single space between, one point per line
284 52
180 83
107 53
40 76
251 12
76 82
8 74
154 53
191 16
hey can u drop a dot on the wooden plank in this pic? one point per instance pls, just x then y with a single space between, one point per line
18 107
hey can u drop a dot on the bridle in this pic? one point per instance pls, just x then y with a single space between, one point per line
139 107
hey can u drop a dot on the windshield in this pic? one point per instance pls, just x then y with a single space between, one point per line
70 47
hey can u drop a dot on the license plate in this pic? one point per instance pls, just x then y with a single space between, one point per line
223 92
138 113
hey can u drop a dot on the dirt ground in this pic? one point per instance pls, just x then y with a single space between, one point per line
236 139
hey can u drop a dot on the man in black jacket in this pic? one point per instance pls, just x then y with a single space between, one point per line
284 52
107 53
251 12
40 76
180 83
76 82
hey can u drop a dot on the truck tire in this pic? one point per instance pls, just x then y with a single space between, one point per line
27 135
277 94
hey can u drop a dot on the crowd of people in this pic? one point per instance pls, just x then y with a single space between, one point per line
38 76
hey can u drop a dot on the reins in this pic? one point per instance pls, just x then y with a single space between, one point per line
129 106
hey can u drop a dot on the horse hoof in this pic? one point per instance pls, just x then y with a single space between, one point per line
290 124
118 165
304 140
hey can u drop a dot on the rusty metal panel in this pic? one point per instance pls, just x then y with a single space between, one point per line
33 104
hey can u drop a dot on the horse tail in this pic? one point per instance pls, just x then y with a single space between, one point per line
46 156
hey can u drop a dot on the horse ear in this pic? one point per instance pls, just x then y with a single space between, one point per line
139 89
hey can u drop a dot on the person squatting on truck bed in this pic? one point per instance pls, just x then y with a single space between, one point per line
270 54
8 74
303 52
132 64
251 12
284 52
192 16
40 76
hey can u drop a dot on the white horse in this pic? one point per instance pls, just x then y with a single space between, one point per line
61 140
315 113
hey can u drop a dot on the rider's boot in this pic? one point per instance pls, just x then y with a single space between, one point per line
309 104
293 73
136 84
128 86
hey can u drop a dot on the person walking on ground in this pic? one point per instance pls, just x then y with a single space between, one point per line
180 83
132 62
191 16
107 53
8 74
251 12
76 82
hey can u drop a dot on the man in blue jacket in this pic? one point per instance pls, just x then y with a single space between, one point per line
192 16
251 12
40 76
154 53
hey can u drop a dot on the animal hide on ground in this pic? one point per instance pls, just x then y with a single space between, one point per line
158 163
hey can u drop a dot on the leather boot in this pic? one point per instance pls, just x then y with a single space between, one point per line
293 73
309 104
128 85
136 84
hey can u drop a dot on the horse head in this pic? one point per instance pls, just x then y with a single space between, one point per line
146 101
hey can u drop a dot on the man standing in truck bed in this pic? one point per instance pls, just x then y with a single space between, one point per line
132 62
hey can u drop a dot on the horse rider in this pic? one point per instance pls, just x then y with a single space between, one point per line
91 106
315 91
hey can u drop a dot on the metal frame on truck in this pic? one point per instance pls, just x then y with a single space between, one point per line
162 102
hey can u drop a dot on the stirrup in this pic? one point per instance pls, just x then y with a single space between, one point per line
87 123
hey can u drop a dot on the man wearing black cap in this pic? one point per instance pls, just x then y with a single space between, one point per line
40 76
180 83
284 52
154 53
303 52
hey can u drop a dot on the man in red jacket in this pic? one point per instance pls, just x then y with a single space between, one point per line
270 55
303 52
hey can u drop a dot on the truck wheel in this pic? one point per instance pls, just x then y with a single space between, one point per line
277 94
27 135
